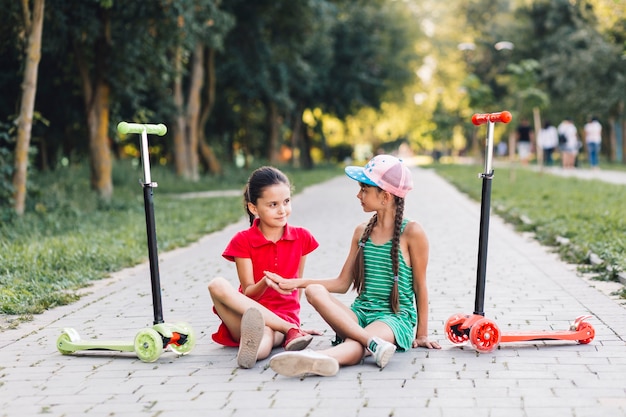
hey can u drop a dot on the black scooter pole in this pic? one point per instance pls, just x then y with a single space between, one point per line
485 206
148 185
153 253
483 244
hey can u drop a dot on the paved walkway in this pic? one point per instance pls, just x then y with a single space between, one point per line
528 288
614 177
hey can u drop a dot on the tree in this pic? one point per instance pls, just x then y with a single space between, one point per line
268 64
88 28
575 55
200 32
373 58
582 69
33 28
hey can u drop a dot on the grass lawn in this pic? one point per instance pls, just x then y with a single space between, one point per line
579 218
68 237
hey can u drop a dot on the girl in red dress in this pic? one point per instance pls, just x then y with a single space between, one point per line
256 317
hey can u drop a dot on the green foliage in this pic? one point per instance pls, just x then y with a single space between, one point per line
6 172
70 238
588 213
564 38
374 56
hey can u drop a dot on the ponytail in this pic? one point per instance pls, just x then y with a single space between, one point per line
358 274
395 255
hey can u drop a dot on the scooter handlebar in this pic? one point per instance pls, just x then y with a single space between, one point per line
125 127
500 117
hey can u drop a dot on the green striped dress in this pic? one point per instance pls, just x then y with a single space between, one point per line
373 302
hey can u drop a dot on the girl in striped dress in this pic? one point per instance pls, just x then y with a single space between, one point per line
386 266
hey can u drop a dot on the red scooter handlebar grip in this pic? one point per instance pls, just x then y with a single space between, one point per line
500 117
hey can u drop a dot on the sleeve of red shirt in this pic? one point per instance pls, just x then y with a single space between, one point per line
238 247
309 244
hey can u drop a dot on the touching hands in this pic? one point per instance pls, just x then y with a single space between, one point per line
422 341
280 284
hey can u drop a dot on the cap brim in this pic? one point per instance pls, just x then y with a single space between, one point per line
358 174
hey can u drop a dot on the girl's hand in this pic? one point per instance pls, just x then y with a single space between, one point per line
275 286
313 332
422 341
280 284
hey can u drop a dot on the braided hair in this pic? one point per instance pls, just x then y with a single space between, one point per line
358 278
257 182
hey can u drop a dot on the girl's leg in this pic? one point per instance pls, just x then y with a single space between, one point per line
327 362
259 331
344 322
230 304
270 339
336 314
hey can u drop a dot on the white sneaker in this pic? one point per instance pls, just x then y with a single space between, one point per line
382 351
252 327
296 363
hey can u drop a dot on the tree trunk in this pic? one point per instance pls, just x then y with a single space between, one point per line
97 100
178 130
99 146
193 109
305 150
273 152
296 138
206 152
34 29
533 142
302 139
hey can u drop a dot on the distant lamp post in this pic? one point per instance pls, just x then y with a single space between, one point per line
419 98
507 46
504 45
466 46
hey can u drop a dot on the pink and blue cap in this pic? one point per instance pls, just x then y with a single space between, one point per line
386 172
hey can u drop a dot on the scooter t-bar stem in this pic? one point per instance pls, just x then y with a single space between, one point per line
125 127
144 130
485 206
500 117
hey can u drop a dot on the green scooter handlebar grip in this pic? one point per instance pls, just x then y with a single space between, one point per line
125 127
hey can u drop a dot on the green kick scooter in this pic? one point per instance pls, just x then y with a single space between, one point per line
150 342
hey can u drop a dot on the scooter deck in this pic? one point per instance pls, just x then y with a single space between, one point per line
546 335
111 345
69 342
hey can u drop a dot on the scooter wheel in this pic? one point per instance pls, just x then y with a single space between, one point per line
588 328
186 347
453 329
67 337
148 345
484 335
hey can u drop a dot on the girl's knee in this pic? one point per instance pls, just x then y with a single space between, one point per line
218 286
314 292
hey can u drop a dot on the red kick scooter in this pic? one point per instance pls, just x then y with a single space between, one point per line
481 332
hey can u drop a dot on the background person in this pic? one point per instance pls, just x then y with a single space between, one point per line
548 139
524 136
593 139
569 150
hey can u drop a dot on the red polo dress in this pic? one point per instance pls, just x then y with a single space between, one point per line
282 258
